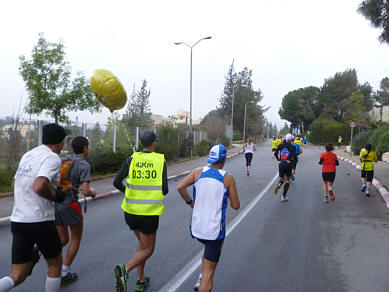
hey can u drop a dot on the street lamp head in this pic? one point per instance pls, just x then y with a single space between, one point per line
179 43
207 38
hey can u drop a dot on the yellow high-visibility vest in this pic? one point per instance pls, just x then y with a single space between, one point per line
143 194
340 140
274 144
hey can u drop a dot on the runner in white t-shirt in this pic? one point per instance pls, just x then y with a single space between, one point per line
249 149
32 219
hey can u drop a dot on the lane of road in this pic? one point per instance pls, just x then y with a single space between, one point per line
301 245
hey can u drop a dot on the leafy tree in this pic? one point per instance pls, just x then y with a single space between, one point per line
214 125
225 101
377 11
48 82
138 108
96 135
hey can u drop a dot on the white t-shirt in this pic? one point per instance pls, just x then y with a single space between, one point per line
29 207
249 148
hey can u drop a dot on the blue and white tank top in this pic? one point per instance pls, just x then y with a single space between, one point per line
210 204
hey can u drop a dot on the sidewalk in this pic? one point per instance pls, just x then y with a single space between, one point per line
105 188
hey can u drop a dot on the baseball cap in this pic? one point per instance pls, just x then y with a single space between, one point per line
216 153
148 137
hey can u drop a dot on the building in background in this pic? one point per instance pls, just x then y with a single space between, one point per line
380 113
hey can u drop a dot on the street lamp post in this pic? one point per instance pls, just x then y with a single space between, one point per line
191 48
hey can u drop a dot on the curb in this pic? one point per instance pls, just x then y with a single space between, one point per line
6 220
376 183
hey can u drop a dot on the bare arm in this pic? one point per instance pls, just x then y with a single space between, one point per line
87 190
186 182
43 188
231 186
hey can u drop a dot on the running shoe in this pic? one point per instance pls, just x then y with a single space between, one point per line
69 278
332 197
248 173
276 189
367 194
363 189
325 199
292 177
121 278
197 284
284 199
35 258
140 286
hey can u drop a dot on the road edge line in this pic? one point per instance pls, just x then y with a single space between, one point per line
180 277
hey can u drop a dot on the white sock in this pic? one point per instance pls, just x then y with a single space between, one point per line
53 284
65 270
6 284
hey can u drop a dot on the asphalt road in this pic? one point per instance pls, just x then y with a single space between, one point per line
300 245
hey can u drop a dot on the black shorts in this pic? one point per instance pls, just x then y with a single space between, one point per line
212 249
249 157
368 175
142 223
294 164
26 235
68 213
328 176
273 150
285 169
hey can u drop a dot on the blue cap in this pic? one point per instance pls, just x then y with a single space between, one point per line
217 152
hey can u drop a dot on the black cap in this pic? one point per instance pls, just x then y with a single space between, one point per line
147 138
53 134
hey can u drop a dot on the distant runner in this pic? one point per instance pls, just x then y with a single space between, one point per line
367 157
212 186
274 146
249 149
287 154
75 173
146 185
340 139
329 160
279 140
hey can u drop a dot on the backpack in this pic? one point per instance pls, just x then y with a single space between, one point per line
284 154
64 183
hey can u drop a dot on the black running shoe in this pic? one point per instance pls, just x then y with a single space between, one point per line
69 278
363 189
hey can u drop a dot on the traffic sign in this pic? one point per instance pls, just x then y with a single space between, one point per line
353 124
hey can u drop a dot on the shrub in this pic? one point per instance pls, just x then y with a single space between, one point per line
378 138
360 141
202 149
327 131
6 175
103 160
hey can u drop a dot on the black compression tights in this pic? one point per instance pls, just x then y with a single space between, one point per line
286 188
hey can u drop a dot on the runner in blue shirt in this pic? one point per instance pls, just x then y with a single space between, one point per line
299 150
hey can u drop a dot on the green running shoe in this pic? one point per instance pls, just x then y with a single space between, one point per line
121 278
140 286
276 189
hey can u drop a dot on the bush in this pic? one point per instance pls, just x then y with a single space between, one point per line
6 175
103 160
360 141
202 149
327 131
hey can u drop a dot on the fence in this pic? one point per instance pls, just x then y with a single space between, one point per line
19 136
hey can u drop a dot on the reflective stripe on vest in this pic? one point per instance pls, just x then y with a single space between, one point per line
143 194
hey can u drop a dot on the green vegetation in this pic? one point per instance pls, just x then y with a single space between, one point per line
378 138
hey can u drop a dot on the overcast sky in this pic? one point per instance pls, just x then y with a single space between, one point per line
287 44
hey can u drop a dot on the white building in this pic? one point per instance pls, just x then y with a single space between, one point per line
380 114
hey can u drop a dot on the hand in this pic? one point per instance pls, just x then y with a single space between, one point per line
92 192
59 196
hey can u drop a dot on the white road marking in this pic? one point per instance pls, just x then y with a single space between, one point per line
191 266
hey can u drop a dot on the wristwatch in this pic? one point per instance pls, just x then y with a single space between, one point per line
189 202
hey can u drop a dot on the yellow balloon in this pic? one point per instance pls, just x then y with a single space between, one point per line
108 89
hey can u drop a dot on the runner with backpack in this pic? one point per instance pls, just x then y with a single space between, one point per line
75 174
287 154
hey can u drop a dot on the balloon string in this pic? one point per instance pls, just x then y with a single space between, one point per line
125 131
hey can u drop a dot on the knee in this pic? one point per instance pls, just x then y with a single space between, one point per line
64 240
150 250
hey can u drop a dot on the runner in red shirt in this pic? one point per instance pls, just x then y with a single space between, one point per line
329 161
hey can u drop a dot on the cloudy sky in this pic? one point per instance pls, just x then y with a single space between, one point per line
288 45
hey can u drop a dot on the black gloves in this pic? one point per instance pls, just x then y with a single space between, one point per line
59 196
